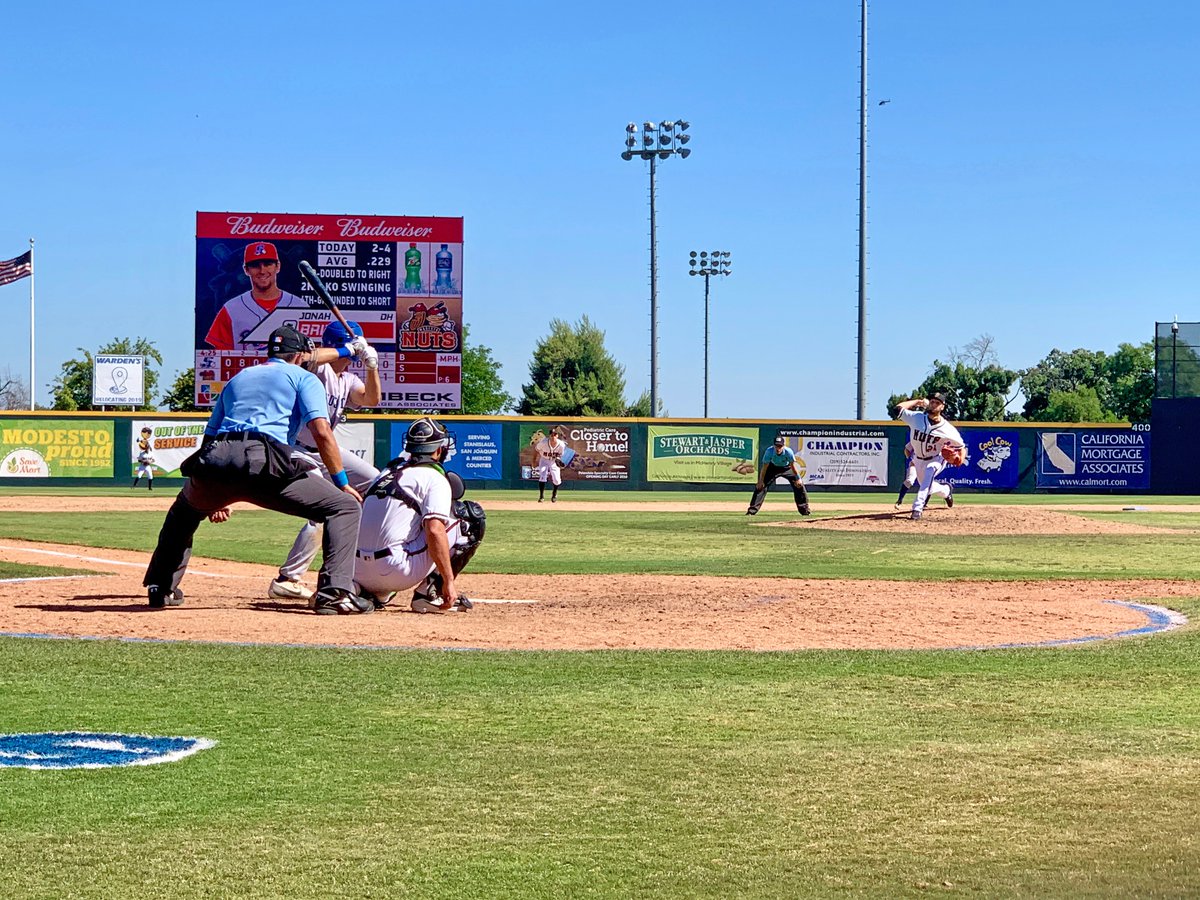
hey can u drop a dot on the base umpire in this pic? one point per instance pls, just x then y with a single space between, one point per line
779 461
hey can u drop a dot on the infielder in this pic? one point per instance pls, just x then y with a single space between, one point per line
549 466
779 461
145 460
239 316
415 531
933 438
343 390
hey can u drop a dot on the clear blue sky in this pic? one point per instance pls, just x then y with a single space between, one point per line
1033 176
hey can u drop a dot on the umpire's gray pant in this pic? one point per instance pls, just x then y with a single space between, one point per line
310 497
304 550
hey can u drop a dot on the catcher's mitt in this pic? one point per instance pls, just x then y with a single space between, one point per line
954 456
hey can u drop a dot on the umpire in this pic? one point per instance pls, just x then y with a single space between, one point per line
779 461
245 456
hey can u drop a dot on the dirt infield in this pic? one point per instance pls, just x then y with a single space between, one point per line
227 601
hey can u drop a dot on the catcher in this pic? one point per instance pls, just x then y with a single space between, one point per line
936 444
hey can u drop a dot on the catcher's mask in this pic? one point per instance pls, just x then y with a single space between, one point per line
425 436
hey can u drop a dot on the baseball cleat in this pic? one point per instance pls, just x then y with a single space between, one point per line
160 598
284 589
917 514
898 507
950 498
752 512
332 601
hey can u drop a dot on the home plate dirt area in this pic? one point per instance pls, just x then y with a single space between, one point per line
227 602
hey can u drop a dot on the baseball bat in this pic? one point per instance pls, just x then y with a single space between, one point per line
311 276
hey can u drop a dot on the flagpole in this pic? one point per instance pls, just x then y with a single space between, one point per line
32 392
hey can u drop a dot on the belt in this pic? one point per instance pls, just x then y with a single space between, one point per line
375 554
236 436
309 449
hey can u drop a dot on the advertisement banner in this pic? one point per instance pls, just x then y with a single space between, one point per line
357 438
991 460
595 451
702 453
170 441
1095 459
846 456
476 452
399 277
56 448
118 380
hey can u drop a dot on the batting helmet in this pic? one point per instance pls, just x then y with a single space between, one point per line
425 436
335 334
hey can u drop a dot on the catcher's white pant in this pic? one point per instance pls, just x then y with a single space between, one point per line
547 470
361 473
400 570
927 472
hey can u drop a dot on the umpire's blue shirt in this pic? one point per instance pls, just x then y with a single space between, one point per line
273 398
783 457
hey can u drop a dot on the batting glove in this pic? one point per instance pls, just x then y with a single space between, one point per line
371 358
359 347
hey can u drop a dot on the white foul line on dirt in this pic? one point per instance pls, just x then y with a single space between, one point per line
98 559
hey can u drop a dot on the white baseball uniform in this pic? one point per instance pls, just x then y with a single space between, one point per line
548 452
927 439
145 467
393 554
361 473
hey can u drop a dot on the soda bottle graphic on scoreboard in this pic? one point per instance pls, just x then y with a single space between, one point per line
412 269
444 261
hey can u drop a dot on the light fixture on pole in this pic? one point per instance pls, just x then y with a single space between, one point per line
708 263
660 141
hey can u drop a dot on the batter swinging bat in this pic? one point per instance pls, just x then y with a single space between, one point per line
310 275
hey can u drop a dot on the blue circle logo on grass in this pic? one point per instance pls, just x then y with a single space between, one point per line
93 750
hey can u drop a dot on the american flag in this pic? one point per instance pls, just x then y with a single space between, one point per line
15 269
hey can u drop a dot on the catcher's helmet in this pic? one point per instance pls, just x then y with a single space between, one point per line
335 334
425 436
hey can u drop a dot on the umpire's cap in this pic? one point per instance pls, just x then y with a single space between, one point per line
287 340
425 436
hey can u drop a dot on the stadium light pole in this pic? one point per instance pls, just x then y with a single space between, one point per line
708 264
660 141
862 219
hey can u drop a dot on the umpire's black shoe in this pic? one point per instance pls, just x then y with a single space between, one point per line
160 598
331 601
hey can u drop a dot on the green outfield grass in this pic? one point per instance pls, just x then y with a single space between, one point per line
22 570
1051 773
699 543
1059 772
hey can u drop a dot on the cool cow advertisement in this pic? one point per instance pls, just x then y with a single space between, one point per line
399 277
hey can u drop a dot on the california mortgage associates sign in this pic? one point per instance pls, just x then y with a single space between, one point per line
1095 459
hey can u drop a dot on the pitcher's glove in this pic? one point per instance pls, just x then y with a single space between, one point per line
954 455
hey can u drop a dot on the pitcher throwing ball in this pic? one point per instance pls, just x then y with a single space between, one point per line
779 461
936 444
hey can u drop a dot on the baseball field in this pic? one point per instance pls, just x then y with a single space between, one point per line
654 698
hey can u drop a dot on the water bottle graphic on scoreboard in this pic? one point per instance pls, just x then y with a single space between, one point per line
412 270
444 263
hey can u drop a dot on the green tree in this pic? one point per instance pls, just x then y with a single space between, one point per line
1130 373
483 391
1123 383
972 394
1080 405
182 395
572 374
72 389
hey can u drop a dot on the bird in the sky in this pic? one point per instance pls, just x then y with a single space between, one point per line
881 102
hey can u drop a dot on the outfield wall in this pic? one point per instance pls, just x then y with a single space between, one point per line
64 449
